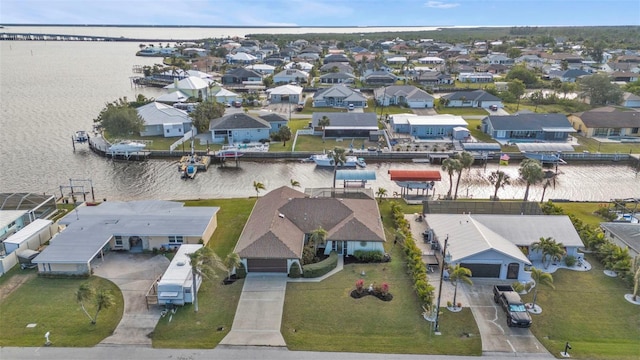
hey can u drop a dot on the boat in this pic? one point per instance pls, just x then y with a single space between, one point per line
126 147
189 172
228 153
360 162
545 158
326 160
81 136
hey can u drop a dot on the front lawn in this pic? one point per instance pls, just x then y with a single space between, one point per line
588 310
462 111
51 305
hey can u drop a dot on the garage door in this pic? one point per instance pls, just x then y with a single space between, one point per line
267 265
483 270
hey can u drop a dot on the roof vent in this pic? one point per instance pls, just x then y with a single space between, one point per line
180 263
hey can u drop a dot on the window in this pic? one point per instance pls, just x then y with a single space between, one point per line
175 239
118 241
167 131
634 130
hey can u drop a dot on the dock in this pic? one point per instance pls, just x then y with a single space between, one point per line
200 162
100 146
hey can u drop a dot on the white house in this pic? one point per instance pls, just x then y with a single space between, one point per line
426 126
285 94
176 284
193 86
163 120
262 68
408 95
475 77
291 75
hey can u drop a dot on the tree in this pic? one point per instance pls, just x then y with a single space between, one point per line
636 277
567 87
633 87
258 186
516 88
318 237
540 278
466 160
514 52
600 90
295 183
451 166
323 122
499 179
596 52
205 112
381 193
230 262
550 249
458 273
102 299
285 134
120 119
520 72
203 263
338 158
531 171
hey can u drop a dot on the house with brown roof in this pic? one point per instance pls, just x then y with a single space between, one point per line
606 122
282 221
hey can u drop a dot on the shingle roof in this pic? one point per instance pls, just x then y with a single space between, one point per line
531 122
280 220
346 118
238 121
475 95
410 92
340 91
272 117
609 117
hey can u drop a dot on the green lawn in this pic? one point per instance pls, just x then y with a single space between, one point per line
461 111
163 143
588 310
317 144
583 210
476 132
50 303
595 146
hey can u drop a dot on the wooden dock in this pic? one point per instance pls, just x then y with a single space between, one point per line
200 162
100 146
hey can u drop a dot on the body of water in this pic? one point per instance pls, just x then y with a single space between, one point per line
48 90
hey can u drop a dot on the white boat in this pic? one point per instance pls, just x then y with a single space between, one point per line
126 147
81 136
545 158
229 153
326 160
360 162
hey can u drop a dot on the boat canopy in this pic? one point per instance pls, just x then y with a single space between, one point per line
415 175
545 146
477 146
355 175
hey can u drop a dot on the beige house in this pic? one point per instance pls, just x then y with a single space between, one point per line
281 222
134 226
607 122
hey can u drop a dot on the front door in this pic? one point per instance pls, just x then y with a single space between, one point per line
512 271
340 247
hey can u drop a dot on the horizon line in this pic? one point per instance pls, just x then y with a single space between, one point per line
305 26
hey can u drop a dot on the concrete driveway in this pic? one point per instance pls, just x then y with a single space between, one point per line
259 313
497 337
134 274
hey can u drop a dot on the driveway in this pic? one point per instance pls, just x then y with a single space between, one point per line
497 337
259 313
134 274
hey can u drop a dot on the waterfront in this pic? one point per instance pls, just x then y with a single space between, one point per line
51 89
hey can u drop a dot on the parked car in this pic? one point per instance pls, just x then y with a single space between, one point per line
511 303
351 107
493 107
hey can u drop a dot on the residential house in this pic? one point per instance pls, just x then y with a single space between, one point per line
337 78
337 67
282 221
263 69
380 78
291 76
434 78
240 76
431 60
625 77
276 121
339 96
239 128
313 57
291 94
341 58
300 65
375 67
496 59
606 122
630 100
241 58
530 126
397 60
426 126
404 95
494 246
192 86
347 125
532 61
571 75
493 68
163 120
625 235
621 67
224 96
474 98
475 77
135 226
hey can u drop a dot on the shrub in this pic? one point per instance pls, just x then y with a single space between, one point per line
570 260
368 256
294 272
359 285
449 304
384 289
518 286
241 272
320 268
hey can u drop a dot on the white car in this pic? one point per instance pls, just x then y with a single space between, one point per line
351 107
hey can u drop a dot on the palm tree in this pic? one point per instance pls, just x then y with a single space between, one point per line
531 171
294 183
285 134
451 166
338 158
258 186
323 122
458 273
499 179
318 237
636 277
381 193
203 263
230 262
542 245
102 299
84 293
541 278
555 252
466 160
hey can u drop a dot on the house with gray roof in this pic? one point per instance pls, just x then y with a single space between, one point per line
276 121
349 124
135 226
239 76
403 95
163 120
339 96
337 78
630 100
434 78
475 98
340 67
529 126
290 76
571 75
625 235
340 58
494 246
239 128
380 78
281 222
606 122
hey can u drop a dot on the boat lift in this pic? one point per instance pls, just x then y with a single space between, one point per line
81 189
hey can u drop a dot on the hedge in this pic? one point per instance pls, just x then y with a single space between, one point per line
320 268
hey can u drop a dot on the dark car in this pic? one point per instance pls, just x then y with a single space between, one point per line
493 107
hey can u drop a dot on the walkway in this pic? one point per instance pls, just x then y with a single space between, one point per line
259 313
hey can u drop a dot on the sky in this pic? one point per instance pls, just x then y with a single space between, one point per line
322 12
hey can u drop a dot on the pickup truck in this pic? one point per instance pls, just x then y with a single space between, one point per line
509 300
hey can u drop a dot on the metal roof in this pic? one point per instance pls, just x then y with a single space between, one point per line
475 146
355 175
415 175
550 147
179 270
26 232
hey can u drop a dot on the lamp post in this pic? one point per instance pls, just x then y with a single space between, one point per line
444 254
